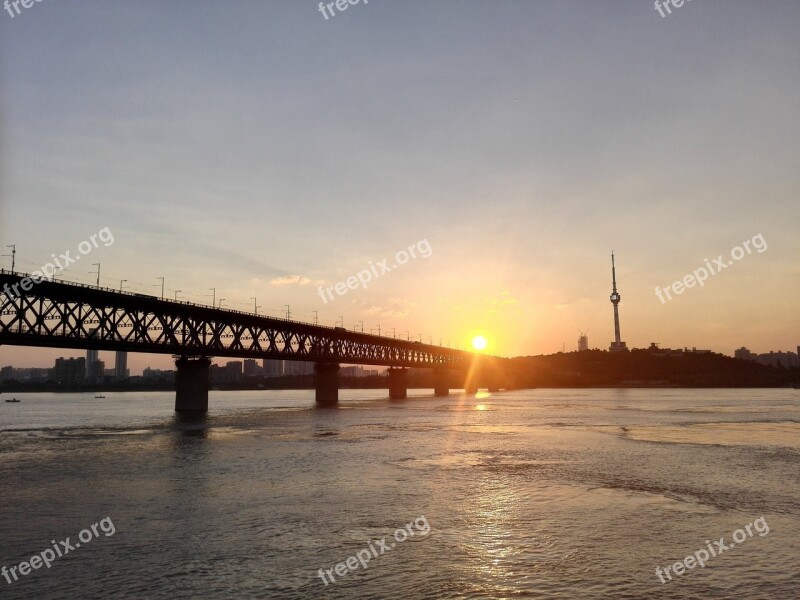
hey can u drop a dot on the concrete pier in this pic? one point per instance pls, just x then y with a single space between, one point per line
327 384
192 379
398 387
441 386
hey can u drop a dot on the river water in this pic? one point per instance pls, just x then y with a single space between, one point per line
525 494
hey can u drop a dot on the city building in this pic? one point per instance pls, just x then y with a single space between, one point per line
233 370
771 358
70 371
121 366
272 368
357 371
583 342
251 368
617 345
779 359
166 376
94 370
297 367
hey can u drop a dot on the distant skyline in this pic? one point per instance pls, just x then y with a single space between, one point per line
265 151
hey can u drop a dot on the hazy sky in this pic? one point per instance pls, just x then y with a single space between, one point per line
237 144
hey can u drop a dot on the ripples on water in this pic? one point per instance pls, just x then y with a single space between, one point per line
529 494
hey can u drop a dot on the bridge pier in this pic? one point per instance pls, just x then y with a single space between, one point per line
327 384
440 385
191 381
398 388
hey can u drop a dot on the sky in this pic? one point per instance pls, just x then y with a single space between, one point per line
261 150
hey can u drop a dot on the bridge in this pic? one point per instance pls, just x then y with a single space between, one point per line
58 314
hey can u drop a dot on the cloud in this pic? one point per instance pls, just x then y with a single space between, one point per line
387 312
291 280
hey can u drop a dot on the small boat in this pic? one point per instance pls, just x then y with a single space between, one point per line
13 400
99 396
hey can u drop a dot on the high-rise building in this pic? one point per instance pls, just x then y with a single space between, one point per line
121 366
617 345
296 367
70 371
272 368
743 354
583 342
92 358
233 370
251 367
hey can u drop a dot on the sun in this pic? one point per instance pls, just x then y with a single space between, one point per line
479 343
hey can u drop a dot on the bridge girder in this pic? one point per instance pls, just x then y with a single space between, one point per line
69 315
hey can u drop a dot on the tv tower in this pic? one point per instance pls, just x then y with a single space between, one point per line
616 345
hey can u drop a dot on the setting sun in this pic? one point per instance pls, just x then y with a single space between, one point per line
479 342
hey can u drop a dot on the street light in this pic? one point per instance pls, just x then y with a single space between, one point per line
221 300
288 311
162 286
255 304
340 319
362 326
121 281
97 264
316 317
213 296
176 294
13 255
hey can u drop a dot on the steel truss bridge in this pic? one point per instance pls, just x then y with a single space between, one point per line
57 314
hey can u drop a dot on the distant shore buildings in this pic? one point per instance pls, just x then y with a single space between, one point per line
772 358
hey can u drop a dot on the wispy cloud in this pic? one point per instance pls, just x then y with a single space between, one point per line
291 280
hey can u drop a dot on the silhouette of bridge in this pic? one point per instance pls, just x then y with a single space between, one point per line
58 314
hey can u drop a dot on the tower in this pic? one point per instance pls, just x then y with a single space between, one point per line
583 342
616 345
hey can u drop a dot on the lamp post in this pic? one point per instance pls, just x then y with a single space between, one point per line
13 255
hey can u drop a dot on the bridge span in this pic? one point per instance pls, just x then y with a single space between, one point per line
58 314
